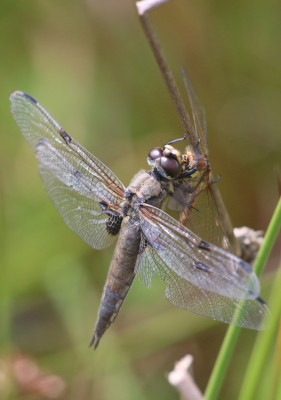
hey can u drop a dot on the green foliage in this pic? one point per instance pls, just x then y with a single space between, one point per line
265 341
89 64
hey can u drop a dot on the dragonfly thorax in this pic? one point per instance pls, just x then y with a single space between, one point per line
146 187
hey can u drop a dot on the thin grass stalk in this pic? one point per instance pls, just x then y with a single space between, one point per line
223 359
264 346
278 388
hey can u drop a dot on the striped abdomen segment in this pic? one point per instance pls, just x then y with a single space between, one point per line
120 277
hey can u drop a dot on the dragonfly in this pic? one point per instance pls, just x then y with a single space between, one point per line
200 276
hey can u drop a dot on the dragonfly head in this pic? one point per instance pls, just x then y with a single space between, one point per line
169 162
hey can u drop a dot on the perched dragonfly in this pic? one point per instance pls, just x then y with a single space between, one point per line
200 277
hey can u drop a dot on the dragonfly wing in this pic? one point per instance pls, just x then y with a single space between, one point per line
200 277
183 294
79 184
198 112
83 215
197 210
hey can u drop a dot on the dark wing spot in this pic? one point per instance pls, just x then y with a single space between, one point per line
77 174
65 136
143 244
113 224
30 97
202 267
204 245
260 300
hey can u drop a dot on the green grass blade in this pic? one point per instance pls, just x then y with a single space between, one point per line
264 346
223 359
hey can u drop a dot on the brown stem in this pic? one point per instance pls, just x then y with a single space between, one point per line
182 112
169 79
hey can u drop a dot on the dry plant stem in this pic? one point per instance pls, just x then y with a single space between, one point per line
181 378
145 5
169 79
181 111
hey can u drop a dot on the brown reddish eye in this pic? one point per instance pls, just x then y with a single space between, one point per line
170 165
155 153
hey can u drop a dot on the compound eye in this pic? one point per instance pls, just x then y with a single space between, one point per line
170 165
155 153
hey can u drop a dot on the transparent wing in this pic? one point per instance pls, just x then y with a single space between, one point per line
197 210
76 181
78 209
187 192
192 198
200 277
198 113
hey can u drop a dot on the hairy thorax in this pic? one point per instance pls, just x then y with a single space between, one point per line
146 187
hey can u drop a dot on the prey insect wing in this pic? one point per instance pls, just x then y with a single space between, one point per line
193 199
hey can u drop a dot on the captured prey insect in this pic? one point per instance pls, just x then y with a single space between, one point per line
200 277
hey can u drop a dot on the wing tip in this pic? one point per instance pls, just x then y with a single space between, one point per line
15 94
20 93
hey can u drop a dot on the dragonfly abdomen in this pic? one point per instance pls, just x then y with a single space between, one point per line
119 279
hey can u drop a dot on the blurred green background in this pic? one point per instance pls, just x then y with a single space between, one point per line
90 66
